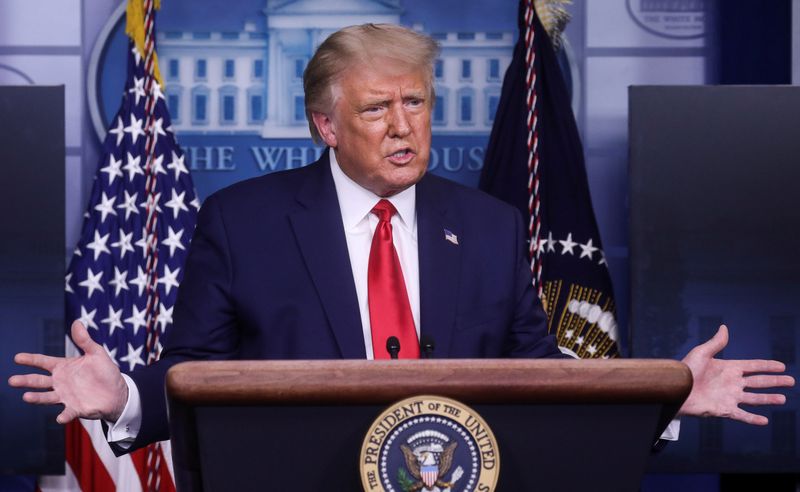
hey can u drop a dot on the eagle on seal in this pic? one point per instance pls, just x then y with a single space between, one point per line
424 469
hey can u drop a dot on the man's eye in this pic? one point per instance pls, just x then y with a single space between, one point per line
415 102
372 109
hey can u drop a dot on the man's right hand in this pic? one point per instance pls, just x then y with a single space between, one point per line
89 386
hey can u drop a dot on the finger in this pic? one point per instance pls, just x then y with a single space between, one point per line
768 381
66 416
749 418
34 381
41 398
80 335
763 399
718 342
38 361
759 365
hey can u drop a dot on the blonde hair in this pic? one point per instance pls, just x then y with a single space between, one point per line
362 45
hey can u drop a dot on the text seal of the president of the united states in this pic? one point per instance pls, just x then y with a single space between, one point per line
429 444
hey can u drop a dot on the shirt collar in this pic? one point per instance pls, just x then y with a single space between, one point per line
356 202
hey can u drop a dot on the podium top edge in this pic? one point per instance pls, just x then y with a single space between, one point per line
501 381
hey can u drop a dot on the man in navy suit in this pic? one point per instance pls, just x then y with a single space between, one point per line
281 266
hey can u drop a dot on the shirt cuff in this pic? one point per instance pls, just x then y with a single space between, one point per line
673 431
124 431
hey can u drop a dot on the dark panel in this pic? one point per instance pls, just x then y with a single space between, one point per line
755 41
715 236
31 267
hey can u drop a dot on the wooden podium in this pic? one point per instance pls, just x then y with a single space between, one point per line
299 425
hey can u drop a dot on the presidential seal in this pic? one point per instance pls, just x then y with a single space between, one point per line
429 444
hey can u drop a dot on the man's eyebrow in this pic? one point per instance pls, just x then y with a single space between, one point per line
415 95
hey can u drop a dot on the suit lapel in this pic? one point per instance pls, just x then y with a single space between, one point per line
320 236
439 266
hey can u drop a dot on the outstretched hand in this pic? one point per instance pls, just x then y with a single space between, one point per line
719 385
89 386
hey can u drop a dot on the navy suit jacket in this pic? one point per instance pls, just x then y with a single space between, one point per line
268 277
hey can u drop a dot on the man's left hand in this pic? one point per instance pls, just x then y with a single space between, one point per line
719 385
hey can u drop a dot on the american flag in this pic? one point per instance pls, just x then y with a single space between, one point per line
123 278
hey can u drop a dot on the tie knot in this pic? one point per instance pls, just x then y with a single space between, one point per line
384 210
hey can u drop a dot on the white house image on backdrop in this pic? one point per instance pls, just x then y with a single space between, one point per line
250 81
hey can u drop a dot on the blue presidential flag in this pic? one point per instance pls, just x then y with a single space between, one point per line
535 162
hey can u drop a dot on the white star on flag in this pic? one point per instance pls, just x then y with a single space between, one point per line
147 204
106 206
99 245
87 318
113 320
92 282
140 281
119 281
132 166
587 250
170 278
137 89
136 320
124 243
158 129
568 245
142 241
133 357
118 131
113 169
157 94
176 203
158 168
135 129
173 241
551 243
177 165
129 204
136 54
164 316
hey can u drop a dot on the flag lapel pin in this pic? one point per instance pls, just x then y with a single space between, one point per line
449 236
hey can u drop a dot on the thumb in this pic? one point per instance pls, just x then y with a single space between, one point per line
67 415
718 342
80 335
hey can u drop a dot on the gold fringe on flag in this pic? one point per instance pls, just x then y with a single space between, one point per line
554 17
134 28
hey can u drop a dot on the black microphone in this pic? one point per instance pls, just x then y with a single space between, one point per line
426 346
393 347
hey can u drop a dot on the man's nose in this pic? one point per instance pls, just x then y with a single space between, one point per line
398 121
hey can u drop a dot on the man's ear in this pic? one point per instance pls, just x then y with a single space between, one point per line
325 128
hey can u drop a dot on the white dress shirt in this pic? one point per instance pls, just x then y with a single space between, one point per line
359 223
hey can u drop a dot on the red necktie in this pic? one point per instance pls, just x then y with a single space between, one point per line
389 310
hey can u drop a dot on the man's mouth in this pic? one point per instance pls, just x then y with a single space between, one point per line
402 156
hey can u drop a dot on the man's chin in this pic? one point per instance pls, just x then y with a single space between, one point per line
397 187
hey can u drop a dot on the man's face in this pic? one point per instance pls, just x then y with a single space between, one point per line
380 126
